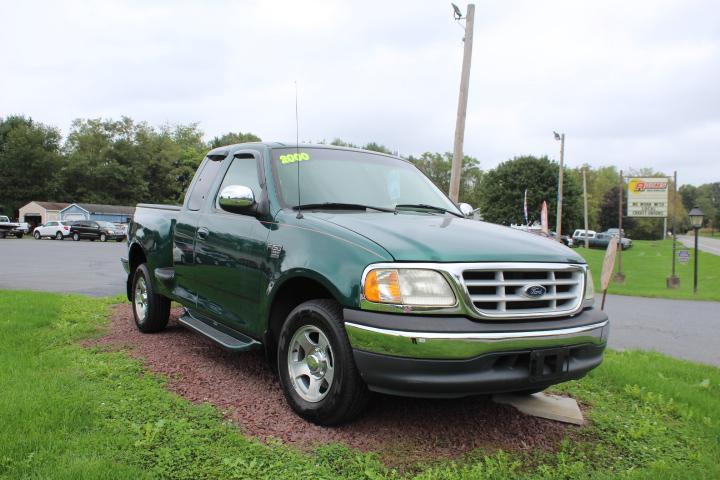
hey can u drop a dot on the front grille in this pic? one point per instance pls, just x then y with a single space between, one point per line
501 291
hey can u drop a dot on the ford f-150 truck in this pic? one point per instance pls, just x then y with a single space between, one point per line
355 274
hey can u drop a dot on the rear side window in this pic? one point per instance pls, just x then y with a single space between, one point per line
51 224
202 185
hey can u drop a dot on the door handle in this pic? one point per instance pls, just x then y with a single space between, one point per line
202 233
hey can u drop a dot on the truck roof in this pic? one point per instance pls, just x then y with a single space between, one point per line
227 149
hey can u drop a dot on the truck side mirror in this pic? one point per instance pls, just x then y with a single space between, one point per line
236 198
466 209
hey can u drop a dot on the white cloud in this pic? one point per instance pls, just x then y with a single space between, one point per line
632 84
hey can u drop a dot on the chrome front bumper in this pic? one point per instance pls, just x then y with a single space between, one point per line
448 357
454 346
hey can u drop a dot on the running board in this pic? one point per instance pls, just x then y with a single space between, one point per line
230 342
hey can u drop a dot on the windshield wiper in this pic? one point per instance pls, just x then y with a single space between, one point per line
428 207
341 206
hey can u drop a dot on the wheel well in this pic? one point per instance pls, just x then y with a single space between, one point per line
291 294
136 257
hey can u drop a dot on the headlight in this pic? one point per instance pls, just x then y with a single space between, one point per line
589 290
406 286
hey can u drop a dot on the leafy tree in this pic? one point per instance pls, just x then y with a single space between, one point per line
29 159
231 138
437 167
608 215
502 192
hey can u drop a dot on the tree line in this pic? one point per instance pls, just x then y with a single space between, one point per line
124 162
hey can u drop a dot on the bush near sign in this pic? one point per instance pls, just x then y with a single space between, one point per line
648 196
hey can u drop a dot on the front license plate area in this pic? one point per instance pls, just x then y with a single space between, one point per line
549 363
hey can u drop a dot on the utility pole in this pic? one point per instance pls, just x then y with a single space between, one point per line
619 277
456 170
558 220
673 281
587 241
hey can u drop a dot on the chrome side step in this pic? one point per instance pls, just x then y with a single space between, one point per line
240 343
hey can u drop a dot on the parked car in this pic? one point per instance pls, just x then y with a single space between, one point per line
359 276
12 229
54 230
567 241
96 230
578 236
602 240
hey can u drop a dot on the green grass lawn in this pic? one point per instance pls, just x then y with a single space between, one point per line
648 263
68 412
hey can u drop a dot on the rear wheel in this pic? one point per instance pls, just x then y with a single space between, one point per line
316 366
103 238
76 237
58 236
37 236
119 239
19 235
150 310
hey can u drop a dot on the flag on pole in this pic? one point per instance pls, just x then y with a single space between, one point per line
544 218
525 208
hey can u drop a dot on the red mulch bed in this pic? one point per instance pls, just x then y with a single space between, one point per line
243 387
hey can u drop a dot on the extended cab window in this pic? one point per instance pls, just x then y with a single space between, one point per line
204 181
243 171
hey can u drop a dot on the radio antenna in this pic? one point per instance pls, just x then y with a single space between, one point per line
297 150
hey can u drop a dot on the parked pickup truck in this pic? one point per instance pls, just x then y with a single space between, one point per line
355 273
14 229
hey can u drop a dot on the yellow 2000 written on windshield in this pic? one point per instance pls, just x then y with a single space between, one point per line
294 157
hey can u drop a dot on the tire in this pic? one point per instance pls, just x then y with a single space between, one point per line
76 237
103 238
119 239
37 235
19 235
313 337
150 310
92 239
2 234
59 236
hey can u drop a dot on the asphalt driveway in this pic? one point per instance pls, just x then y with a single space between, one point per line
90 268
705 244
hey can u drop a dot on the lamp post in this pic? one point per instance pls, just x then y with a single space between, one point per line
696 218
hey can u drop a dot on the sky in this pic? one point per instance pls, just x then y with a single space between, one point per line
631 83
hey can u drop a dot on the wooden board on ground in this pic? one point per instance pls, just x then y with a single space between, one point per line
553 407
608 264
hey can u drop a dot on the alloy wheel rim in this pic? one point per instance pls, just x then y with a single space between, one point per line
141 298
311 363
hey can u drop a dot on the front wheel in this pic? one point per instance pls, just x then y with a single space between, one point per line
36 235
76 237
150 310
103 238
316 366
19 235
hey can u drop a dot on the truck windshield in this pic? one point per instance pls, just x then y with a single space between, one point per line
347 177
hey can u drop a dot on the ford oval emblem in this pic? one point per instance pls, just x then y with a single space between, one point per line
534 291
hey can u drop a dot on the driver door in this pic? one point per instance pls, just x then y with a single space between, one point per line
230 252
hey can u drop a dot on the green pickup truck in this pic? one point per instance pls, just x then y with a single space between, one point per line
355 274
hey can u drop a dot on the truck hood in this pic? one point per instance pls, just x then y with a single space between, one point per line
421 237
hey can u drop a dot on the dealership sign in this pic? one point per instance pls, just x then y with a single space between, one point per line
648 197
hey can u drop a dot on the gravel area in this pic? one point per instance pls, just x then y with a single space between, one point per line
402 429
